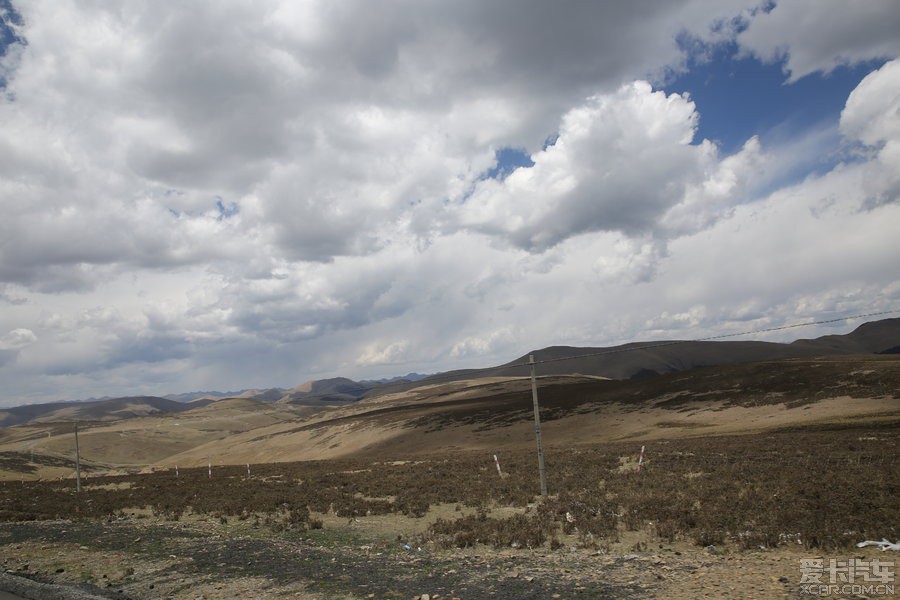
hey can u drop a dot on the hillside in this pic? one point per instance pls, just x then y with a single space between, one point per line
335 390
485 414
138 441
98 410
486 410
642 359
497 413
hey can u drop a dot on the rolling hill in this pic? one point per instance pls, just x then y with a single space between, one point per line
643 359
482 414
700 388
492 414
98 410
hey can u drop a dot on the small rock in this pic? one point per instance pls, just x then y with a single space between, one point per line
711 550
424 597
60 570
784 579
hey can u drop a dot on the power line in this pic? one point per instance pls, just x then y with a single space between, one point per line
460 376
534 390
708 339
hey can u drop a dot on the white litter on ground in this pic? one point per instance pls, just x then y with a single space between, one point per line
882 545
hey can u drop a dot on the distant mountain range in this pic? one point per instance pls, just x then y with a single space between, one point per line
97 410
629 361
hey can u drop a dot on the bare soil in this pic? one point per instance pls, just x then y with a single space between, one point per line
146 558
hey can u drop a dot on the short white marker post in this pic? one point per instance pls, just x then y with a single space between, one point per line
641 459
248 469
176 471
497 462
210 470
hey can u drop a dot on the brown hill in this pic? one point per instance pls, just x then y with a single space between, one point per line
336 391
97 410
488 413
641 359
492 414
139 441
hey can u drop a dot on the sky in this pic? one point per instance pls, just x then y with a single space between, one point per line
220 195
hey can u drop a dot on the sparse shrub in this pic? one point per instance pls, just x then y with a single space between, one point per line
823 489
517 531
666 530
708 537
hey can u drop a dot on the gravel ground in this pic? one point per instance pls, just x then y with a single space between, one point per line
148 558
175 560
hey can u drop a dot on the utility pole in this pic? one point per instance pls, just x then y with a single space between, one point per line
537 427
77 461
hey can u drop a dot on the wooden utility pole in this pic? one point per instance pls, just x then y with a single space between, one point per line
77 462
537 427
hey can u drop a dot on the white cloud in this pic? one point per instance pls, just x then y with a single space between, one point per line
872 116
481 345
231 194
18 338
821 35
622 162
872 113
383 354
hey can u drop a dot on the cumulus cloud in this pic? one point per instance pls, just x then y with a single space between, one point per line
872 117
231 194
13 342
482 345
383 354
821 35
127 127
872 112
18 338
622 162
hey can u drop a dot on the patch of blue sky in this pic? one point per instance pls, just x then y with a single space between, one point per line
226 211
507 161
738 97
9 19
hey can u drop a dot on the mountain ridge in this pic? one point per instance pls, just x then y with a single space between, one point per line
626 361
641 359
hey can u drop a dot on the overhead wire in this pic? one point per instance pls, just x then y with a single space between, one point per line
460 374
638 346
